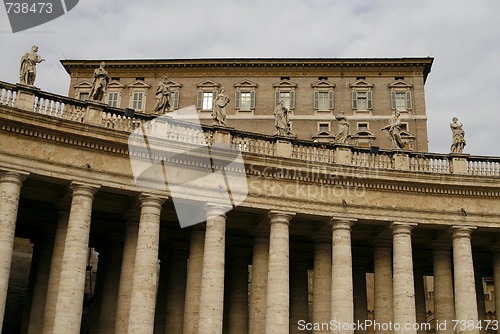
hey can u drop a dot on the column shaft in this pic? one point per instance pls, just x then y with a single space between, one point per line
465 289
176 291
69 305
193 281
145 277
238 293
258 284
299 292
322 282
383 297
360 294
10 189
342 286
444 308
403 289
278 288
212 280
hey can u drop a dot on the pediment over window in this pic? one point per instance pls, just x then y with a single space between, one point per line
83 84
245 83
323 84
139 84
361 84
116 84
172 83
285 84
208 84
399 84
363 134
324 137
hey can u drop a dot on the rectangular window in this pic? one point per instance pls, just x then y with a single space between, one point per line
323 101
285 97
137 101
83 96
113 99
404 126
323 127
362 100
362 126
400 100
208 100
245 101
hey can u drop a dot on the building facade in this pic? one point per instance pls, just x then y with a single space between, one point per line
325 238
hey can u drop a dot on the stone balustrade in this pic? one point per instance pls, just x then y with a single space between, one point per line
98 114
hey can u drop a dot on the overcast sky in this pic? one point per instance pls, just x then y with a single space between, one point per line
462 36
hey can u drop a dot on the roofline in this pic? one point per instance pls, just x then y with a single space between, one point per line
426 62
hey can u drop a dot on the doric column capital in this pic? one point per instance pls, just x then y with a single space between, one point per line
83 189
280 217
216 210
13 176
462 231
402 228
340 223
150 200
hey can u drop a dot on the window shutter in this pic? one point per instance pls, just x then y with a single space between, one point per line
252 100
214 96
316 97
331 102
393 100
369 98
175 103
408 100
292 99
237 99
199 104
354 100
276 97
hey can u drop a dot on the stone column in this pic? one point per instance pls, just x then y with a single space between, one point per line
444 308
212 280
383 297
127 272
322 280
465 289
360 294
258 283
403 289
110 287
69 305
481 303
496 278
418 283
161 296
299 292
342 289
55 268
46 243
10 189
193 281
176 289
145 277
238 293
278 289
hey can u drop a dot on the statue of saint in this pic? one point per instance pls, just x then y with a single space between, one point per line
282 120
27 72
219 108
458 132
394 130
344 126
162 97
100 83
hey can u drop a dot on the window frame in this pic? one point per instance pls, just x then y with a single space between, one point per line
323 86
206 87
401 87
138 87
285 87
361 87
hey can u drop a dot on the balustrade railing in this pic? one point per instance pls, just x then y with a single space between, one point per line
40 102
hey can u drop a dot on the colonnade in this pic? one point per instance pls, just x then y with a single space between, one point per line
193 301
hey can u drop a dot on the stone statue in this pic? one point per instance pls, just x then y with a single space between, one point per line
219 108
162 97
343 134
458 132
394 130
27 72
282 120
100 83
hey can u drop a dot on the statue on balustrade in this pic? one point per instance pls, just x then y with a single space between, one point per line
282 120
343 134
458 132
27 71
100 83
162 97
394 130
219 107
